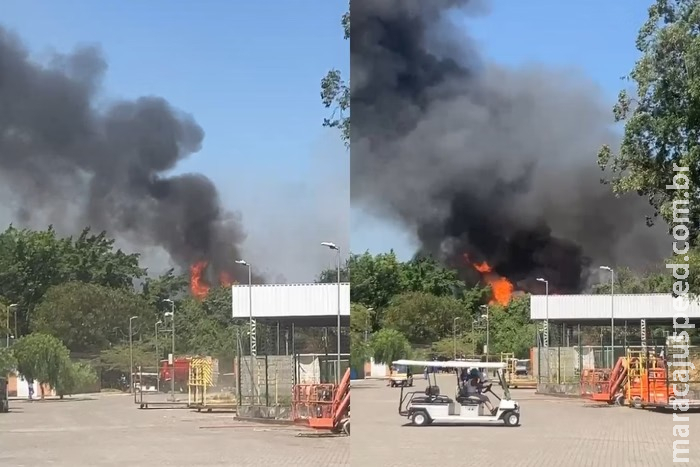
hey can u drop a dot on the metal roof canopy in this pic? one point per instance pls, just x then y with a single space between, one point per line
592 309
306 305
451 364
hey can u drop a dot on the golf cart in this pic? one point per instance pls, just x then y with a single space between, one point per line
429 406
400 376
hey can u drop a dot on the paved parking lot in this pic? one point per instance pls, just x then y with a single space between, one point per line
554 432
108 430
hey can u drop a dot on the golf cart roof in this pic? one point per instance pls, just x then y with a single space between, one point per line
451 364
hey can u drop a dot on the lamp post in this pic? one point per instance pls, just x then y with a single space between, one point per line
335 247
486 307
251 330
131 355
454 338
612 313
367 323
158 323
7 336
171 313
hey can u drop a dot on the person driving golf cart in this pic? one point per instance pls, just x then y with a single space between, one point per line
474 387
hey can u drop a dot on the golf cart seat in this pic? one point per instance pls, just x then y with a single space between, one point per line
432 396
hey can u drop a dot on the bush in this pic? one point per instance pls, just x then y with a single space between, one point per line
75 378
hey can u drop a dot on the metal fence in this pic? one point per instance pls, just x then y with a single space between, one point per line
574 349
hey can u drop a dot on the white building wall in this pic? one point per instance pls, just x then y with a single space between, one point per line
290 300
632 307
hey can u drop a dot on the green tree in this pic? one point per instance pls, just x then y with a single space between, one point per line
166 286
467 345
7 361
374 280
202 328
93 259
118 358
33 261
330 276
425 274
662 122
88 317
41 357
424 318
389 345
510 328
76 377
360 328
360 319
629 282
335 93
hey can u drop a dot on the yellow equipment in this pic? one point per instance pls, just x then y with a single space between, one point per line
517 373
201 379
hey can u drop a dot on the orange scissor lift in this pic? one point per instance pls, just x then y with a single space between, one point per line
647 384
323 406
605 385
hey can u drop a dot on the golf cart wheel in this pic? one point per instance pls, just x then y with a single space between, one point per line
620 401
511 419
420 418
346 427
637 402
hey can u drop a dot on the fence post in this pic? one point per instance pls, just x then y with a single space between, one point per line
267 381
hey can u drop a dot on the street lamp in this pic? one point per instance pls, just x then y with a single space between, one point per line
454 338
251 333
158 323
7 336
171 313
612 315
486 307
367 323
335 247
131 355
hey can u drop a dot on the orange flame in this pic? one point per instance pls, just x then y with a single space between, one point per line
225 279
501 288
197 286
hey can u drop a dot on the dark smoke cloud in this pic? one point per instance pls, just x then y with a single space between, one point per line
480 159
81 163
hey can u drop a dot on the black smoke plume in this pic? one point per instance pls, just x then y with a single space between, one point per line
68 157
481 159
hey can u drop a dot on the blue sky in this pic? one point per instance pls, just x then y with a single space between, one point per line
595 36
249 72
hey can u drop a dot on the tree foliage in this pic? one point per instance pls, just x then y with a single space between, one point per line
510 328
76 377
424 318
7 361
41 357
33 261
335 93
88 317
389 345
662 122
629 282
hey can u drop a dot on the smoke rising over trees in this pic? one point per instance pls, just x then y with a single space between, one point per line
480 159
67 158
